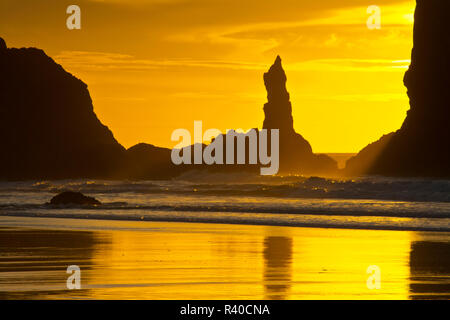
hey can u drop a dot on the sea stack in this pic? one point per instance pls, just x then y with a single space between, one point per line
421 146
296 155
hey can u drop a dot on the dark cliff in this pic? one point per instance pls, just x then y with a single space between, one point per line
48 128
421 146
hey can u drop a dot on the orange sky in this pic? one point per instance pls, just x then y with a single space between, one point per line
153 66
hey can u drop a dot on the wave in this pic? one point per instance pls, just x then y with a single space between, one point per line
268 206
422 190
369 203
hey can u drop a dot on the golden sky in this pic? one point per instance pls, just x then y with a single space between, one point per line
153 66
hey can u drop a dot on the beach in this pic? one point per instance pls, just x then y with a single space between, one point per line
172 260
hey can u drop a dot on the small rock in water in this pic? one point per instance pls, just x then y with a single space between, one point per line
70 197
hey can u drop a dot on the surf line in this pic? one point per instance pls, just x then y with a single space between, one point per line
236 146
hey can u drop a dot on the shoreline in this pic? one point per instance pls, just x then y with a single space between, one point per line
236 221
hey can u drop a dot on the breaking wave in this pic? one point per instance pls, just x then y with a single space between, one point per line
249 185
369 203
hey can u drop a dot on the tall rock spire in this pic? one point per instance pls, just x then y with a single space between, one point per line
296 155
278 109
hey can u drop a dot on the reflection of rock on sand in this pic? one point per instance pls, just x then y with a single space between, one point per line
429 265
41 257
277 267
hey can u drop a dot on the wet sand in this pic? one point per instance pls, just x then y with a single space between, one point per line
159 260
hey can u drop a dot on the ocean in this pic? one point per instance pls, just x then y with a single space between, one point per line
363 203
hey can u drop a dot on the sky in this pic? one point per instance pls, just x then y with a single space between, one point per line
153 66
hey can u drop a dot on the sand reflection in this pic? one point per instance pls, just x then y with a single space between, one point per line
157 260
277 267
33 263
430 270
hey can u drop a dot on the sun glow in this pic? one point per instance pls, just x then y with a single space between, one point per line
342 77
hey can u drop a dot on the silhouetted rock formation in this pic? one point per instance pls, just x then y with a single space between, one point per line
145 161
421 146
363 162
70 197
48 128
296 155
2 44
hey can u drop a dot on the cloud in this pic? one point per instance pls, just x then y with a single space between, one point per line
102 61
366 65
367 97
